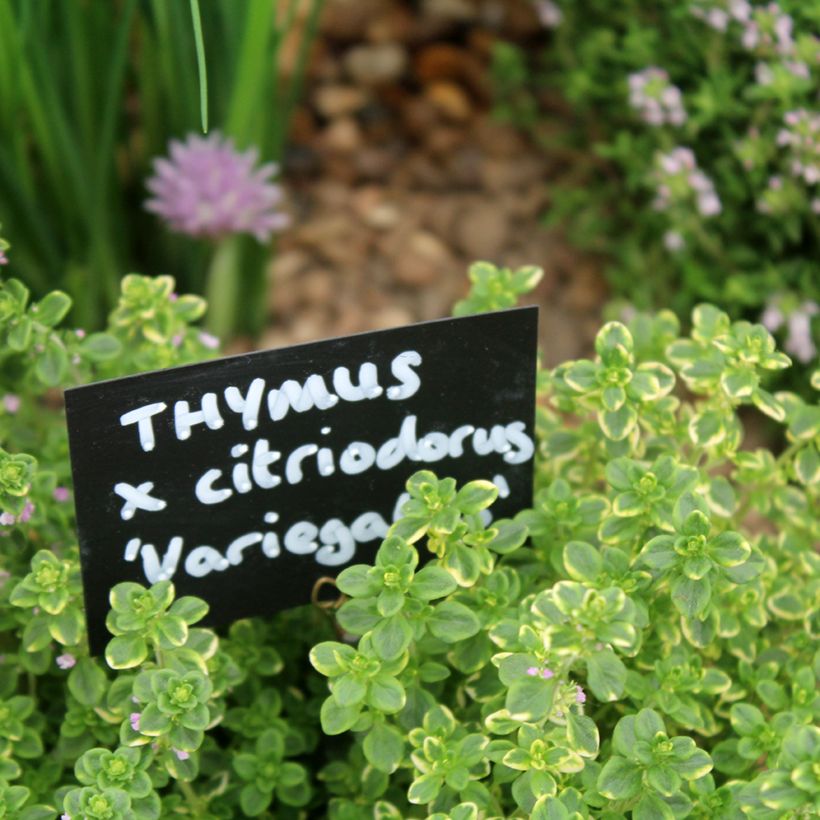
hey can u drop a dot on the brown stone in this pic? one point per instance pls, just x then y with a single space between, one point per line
449 100
376 64
343 135
338 100
347 19
421 260
481 231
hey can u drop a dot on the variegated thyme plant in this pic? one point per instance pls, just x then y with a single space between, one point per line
640 643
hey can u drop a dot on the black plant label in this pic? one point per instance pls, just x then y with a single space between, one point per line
246 479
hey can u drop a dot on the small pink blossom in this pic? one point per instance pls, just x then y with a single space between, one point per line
545 672
28 511
673 241
177 339
11 402
549 13
66 661
181 755
580 695
3 258
134 720
61 494
7 519
209 340
79 333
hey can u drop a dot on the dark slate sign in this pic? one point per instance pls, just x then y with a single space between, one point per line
245 480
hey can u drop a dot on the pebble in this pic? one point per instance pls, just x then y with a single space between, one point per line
450 100
481 231
376 64
422 260
338 100
343 135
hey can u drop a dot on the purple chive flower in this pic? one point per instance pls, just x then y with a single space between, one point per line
656 100
11 402
580 695
134 720
209 340
66 661
209 189
61 494
549 13
181 755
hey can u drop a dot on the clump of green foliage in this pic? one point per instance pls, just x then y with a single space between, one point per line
689 148
641 642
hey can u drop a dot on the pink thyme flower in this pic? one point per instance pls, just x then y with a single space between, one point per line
580 695
61 494
549 13
209 340
7 519
4 260
208 188
134 720
28 511
181 755
177 339
534 671
11 402
66 661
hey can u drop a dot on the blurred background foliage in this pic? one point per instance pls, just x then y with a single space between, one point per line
640 88
90 92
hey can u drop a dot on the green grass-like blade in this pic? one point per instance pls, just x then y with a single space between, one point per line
202 69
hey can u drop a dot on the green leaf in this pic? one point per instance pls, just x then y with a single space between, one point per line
100 347
189 609
659 552
52 364
581 375
583 734
582 561
691 597
606 675
384 747
253 801
652 807
768 404
51 310
729 549
325 657
424 789
349 690
746 718
452 621
126 651
392 636
620 779
432 582
511 535
386 694
87 682
336 719
618 424
475 496
612 336
530 698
